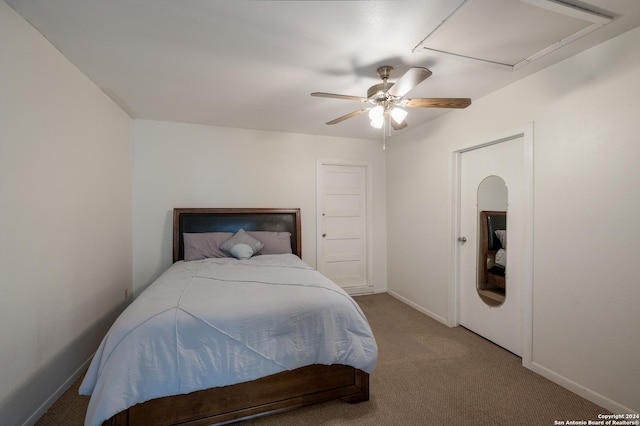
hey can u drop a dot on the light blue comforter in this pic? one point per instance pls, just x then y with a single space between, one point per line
216 322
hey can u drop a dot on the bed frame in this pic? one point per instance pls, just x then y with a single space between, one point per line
279 392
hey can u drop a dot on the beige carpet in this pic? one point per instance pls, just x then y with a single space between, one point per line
427 374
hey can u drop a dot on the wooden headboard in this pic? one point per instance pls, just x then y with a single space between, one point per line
231 220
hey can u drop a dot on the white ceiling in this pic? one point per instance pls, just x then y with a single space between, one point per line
253 64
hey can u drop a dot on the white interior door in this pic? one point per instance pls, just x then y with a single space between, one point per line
342 225
501 324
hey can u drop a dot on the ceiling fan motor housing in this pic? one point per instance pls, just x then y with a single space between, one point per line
378 92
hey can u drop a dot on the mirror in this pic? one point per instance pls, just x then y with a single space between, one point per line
491 283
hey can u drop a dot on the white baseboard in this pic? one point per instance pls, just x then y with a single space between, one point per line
359 291
580 390
31 421
419 308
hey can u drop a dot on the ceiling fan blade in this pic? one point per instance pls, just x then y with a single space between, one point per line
335 96
351 114
397 126
409 80
437 103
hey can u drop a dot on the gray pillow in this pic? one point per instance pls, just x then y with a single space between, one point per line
274 242
204 245
242 237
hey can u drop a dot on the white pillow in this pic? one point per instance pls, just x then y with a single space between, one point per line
241 251
501 258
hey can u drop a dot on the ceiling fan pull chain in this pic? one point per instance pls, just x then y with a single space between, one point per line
384 135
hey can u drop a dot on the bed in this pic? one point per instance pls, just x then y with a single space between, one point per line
493 254
224 319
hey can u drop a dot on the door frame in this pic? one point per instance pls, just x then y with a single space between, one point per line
527 133
369 287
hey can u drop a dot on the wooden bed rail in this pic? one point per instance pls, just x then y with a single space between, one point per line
271 394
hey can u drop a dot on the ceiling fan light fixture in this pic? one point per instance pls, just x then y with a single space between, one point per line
377 122
376 113
398 115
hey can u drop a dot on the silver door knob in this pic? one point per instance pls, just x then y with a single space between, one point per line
462 239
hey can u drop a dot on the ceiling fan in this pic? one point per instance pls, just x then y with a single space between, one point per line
387 99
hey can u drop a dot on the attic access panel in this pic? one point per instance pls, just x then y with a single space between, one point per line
509 34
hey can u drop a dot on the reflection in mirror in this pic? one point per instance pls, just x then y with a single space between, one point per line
491 282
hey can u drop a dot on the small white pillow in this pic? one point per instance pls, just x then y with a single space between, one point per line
242 237
241 251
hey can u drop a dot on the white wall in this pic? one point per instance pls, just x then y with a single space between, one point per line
65 219
185 165
586 306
